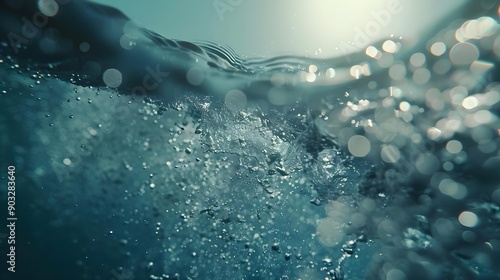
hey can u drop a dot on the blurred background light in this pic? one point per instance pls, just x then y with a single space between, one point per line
320 28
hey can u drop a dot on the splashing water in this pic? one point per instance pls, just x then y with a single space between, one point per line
187 161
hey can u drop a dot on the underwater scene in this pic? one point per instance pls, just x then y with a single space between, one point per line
238 139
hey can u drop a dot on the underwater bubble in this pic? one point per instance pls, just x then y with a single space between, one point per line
448 166
373 52
386 60
236 100
355 71
438 49
67 161
390 46
195 76
396 274
476 29
470 102
427 163
112 78
458 94
330 229
310 77
359 146
487 146
358 220
417 59
468 219
84 47
372 85
454 146
469 236
397 71
464 53
368 204
126 42
48 7
484 117
131 30
452 189
441 66
444 227
277 79
390 154
421 76
404 106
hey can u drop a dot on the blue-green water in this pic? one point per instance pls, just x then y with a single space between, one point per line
141 157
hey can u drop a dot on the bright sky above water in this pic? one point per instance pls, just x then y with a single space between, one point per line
320 28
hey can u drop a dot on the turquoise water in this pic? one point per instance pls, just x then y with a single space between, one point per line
142 157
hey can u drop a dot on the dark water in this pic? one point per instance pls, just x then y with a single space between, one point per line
141 157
